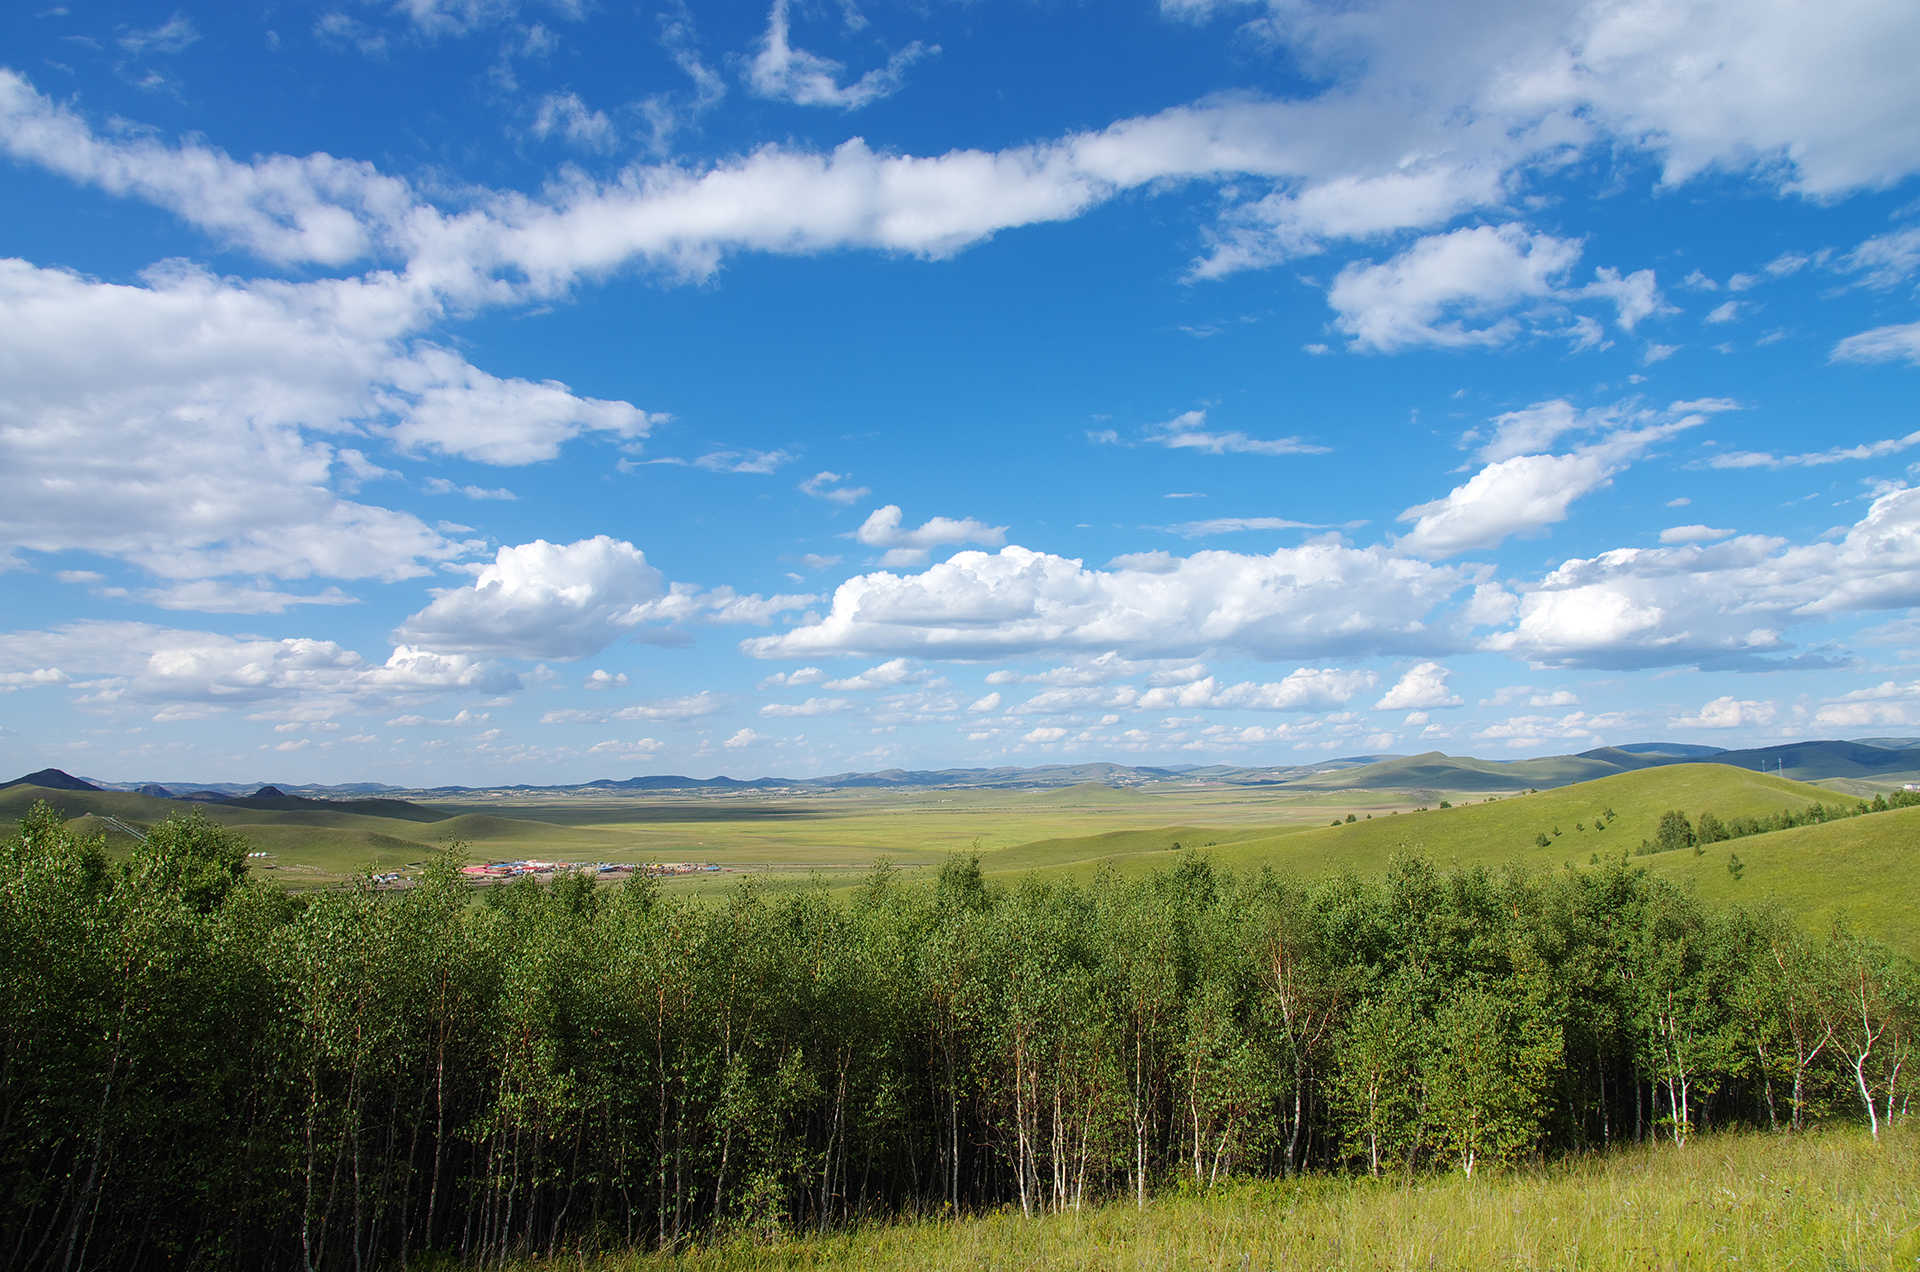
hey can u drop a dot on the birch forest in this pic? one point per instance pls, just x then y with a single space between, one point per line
202 1070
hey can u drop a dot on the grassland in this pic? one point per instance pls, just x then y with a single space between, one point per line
1862 866
1831 1199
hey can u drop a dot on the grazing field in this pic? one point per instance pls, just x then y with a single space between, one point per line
832 840
1752 1201
783 838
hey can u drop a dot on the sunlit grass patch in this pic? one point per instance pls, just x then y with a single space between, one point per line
1833 1199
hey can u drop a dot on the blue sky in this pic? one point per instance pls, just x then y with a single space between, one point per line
485 391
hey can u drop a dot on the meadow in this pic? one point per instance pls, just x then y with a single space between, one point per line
1827 1199
1378 1054
831 840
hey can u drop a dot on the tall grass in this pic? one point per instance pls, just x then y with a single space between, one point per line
1827 1200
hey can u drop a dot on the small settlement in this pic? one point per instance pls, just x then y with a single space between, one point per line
514 869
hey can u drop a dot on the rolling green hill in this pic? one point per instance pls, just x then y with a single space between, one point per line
320 841
1863 865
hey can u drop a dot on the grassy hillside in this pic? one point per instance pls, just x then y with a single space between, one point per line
1769 1203
1488 831
311 843
1864 866
1867 868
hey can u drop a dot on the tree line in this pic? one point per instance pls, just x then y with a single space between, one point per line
203 1070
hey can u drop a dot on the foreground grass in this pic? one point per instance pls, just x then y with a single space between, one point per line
1823 1200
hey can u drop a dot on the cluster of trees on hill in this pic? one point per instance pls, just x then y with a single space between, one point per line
203 1070
1676 832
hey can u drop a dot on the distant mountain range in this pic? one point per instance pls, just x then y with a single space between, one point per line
1873 759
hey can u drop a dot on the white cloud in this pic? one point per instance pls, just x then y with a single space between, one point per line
1886 259
568 116
1460 289
1882 344
1727 713
882 529
145 665
1532 730
1725 313
1428 294
445 405
602 680
544 600
441 486
125 411
788 74
1314 600
1427 116
804 676
691 706
1838 454
170 36
1527 493
11 681
1514 496
1422 687
1527 695
1099 669
1693 534
1231 525
826 485
1303 689
570 601
887 675
1186 432
744 738
982 706
1887 703
811 707
1724 604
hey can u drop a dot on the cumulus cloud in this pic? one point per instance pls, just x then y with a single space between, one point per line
1188 432
1430 293
189 672
1461 289
783 72
1726 604
882 529
811 707
1727 713
1314 600
1423 687
1887 703
1527 493
544 600
1693 534
570 601
601 679
1533 730
888 675
444 405
744 738
125 412
1099 669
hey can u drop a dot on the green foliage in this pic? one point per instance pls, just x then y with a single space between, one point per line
200 1070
